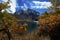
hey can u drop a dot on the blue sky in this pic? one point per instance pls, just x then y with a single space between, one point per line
38 5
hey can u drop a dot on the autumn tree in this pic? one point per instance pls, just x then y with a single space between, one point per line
55 3
5 19
4 5
49 23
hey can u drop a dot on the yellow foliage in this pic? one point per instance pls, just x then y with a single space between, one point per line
50 20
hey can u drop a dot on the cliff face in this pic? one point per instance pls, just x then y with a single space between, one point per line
26 14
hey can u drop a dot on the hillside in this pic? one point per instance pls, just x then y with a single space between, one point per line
28 14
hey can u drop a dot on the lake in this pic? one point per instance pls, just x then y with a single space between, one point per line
31 25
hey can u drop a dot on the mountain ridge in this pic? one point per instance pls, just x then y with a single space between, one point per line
28 14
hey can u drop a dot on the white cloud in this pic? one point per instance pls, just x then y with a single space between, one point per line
24 7
3 1
13 4
41 5
33 4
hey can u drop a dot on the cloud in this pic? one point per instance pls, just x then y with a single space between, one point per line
3 1
41 5
13 5
24 7
28 4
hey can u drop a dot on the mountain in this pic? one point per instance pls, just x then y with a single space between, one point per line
28 14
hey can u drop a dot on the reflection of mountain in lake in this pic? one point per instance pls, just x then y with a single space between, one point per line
28 14
31 25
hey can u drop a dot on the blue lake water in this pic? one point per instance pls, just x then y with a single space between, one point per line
31 25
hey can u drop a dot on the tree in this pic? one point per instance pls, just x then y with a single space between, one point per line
4 5
50 25
55 3
5 19
55 6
